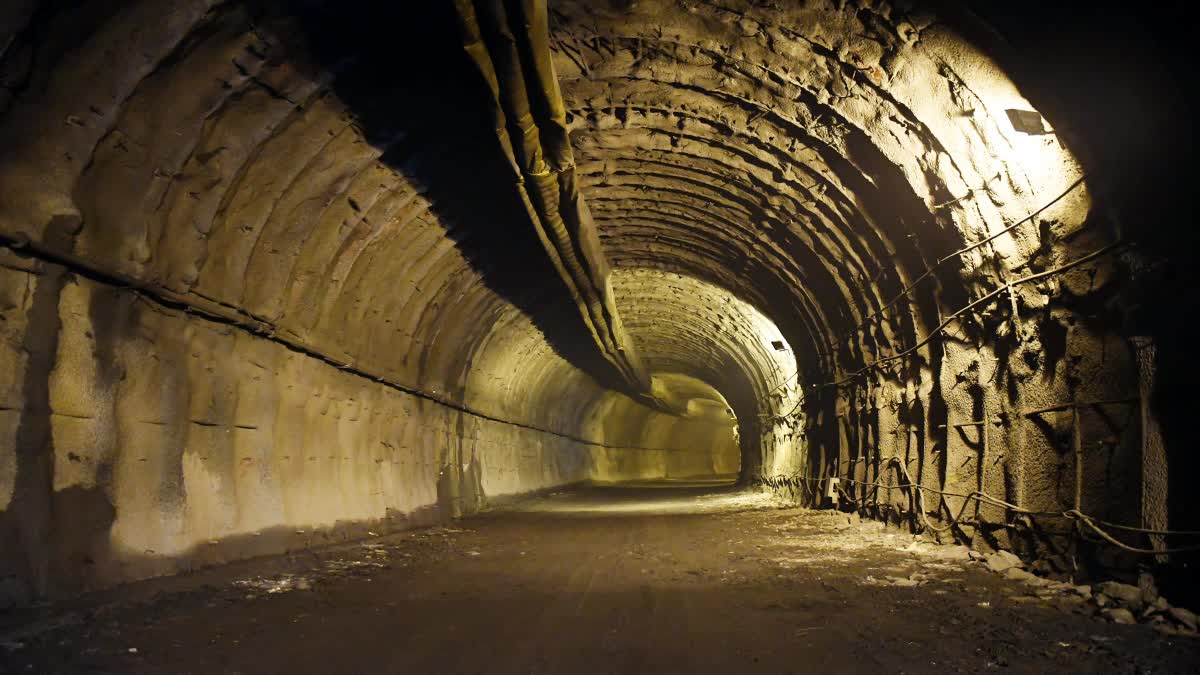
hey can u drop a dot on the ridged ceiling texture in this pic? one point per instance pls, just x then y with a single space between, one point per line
815 161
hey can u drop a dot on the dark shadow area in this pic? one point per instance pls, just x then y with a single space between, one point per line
25 525
1109 82
401 70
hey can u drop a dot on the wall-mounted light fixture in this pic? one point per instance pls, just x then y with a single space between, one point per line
1027 122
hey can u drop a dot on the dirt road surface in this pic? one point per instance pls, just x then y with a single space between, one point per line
629 579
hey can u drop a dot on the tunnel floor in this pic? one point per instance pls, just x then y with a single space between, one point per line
639 578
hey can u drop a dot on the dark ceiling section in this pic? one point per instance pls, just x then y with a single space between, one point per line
402 73
1111 80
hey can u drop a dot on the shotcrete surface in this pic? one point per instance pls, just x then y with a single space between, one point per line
649 577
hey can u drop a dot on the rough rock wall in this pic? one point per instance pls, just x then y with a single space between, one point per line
861 173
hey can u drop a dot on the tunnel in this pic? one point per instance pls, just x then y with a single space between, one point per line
633 281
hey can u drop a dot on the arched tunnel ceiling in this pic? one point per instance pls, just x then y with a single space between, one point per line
267 267
809 159
687 326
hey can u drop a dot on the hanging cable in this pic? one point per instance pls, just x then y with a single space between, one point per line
1092 523
992 295
966 249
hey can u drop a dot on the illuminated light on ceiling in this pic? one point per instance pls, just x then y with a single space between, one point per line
1027 122
1018 160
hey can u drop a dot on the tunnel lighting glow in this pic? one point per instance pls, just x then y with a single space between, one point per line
1013 162
666 504
742 329
1026 122
659 307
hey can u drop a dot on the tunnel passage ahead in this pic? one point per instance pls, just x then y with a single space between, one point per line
651 578
278 275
